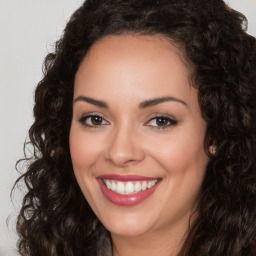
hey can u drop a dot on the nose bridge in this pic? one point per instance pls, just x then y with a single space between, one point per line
124 147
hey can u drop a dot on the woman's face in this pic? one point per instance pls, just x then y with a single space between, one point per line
137 135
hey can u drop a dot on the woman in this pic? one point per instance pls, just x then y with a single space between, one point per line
144 134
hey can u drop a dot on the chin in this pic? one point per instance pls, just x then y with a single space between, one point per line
130 227
127 231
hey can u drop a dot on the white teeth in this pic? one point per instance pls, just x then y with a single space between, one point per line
151 183
130 187
120 188
113 186
137 187
144 185
108 184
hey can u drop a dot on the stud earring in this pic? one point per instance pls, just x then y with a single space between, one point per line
212 149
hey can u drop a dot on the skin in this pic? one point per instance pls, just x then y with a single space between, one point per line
124 71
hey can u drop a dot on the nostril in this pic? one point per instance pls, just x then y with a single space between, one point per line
124 148
121 161
125 158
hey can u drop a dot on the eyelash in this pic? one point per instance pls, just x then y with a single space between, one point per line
170 122
83 120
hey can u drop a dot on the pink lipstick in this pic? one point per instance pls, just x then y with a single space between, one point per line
127 190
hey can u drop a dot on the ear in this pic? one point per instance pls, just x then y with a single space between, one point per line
212 149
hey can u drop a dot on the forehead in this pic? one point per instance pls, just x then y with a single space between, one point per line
142 66
133 48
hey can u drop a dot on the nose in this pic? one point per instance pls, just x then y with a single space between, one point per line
124 147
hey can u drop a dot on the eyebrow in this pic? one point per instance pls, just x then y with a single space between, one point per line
92 101
144 104
156 101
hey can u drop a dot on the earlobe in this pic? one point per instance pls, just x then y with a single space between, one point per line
212 149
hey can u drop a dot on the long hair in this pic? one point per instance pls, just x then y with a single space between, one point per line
55 218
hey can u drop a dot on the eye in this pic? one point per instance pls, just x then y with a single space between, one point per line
93 121
161 122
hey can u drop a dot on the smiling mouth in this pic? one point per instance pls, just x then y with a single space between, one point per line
130 187
127 190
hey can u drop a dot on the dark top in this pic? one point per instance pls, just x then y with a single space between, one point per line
104 246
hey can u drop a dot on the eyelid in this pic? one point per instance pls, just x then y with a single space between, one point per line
172 121
84 117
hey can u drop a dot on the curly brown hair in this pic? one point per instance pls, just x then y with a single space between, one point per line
55 218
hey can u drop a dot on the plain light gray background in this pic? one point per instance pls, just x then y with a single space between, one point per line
28 30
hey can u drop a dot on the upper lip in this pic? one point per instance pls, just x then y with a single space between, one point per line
123 177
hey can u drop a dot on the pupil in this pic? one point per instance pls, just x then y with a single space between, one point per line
161 121
96 120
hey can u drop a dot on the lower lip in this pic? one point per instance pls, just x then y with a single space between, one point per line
127 200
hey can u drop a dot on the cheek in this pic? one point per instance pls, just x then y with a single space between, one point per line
84 152
182 152
83 149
